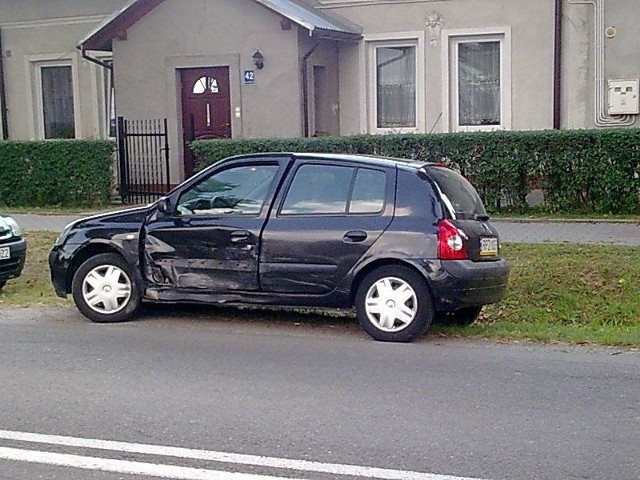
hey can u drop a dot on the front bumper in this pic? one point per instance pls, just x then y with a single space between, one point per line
12 267
464 283
58 269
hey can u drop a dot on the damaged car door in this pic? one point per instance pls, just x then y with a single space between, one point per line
208 237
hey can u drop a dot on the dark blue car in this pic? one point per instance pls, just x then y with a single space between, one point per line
402 241
13 249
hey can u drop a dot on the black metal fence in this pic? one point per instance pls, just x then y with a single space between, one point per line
143 159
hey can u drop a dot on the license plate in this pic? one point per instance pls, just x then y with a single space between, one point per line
488 246
5 252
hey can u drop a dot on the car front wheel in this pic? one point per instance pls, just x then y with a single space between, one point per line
393 304
104 290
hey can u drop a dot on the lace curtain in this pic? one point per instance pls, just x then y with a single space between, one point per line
396 86
479 83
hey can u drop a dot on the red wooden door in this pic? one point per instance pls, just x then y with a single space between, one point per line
206 107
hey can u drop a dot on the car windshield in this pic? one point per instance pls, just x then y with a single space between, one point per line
460 197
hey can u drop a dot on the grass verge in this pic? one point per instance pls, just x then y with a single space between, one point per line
558 293
33 287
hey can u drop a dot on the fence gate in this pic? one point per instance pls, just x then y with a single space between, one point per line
143 160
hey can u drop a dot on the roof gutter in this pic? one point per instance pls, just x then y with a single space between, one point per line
97 61
4 118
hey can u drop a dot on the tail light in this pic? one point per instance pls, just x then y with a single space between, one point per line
450 242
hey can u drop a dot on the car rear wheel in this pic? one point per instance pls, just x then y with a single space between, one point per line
461 318
393 304
104 290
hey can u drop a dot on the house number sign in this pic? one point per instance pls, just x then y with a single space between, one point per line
249 77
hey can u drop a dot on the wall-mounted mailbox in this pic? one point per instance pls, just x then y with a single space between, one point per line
623 97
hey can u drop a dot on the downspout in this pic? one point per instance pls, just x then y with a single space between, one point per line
557 67
305 90
602 118
3 96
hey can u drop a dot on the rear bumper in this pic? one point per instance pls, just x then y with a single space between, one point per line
12 267
463 283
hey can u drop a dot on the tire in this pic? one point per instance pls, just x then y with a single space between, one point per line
104 289
393 304
461 318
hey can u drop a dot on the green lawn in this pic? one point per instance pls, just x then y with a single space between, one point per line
563 293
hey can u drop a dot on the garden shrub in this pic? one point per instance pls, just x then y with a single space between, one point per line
587 171
55 172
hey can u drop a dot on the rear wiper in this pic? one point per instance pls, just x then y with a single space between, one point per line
482 217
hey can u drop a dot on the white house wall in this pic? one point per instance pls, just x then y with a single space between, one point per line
34 33
531 69
206 33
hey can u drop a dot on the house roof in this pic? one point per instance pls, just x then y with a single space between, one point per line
319 23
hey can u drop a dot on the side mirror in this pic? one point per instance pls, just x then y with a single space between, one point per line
164 205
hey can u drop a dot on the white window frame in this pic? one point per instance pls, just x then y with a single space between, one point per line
450 100
368 100
34 65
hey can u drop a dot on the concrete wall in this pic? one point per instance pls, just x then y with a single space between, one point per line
531 26
621 56
210 33
36 33
324 104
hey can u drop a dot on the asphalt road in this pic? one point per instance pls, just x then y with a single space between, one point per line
300 397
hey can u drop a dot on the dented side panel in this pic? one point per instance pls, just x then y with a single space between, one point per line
208 254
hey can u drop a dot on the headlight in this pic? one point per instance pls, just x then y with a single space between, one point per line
65 233
13 225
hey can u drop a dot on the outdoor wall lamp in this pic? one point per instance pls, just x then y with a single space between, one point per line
258 60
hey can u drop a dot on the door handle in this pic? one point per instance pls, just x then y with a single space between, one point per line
354 236
240 236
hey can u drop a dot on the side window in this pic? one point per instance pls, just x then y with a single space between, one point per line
318 189
368 191
236 191
332 189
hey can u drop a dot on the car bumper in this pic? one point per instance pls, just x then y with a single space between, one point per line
12 267
58 269
464 283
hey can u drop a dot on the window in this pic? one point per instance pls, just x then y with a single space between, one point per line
238 190
332 189
206 85
57 102
394 85
368 191
479 83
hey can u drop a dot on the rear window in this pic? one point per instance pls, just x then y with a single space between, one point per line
459 196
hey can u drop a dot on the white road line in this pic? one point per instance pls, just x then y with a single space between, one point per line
124 466
224 457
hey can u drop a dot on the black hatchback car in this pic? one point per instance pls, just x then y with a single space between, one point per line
402 241
13 249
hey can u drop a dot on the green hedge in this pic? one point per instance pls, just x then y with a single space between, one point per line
55 172
588 171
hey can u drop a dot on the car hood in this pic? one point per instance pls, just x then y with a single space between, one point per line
130 219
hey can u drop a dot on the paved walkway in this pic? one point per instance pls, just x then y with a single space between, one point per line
595 232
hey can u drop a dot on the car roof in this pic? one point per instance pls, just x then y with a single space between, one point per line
368 159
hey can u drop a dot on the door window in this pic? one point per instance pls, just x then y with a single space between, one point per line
235 191
332 189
